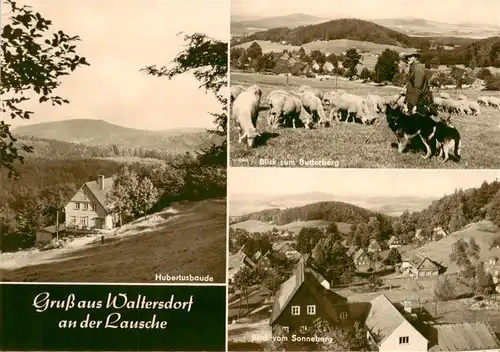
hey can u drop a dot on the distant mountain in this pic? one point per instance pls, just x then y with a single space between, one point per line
240 26
424 28
102 133
345 28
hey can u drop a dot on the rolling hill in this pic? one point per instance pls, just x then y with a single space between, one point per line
189 238
295 227
101 133
346 28
247 26
483 232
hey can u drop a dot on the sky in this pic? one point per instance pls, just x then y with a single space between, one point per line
119 37
446 11
353 182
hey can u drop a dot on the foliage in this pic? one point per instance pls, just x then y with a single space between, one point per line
444 289
483 282
206 59
399 79
493 209
307 239
353 338
484 74
387 66
493 82
351 59
254 51
33 62
331 260
458 254
393 258
366 74
473 249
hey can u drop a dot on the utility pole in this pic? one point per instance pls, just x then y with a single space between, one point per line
57 224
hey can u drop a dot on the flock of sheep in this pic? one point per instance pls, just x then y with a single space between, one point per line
306 106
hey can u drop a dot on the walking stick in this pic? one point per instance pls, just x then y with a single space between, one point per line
373 132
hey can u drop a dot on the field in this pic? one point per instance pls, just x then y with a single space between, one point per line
336 47
343 145
295 227
193 241
440 251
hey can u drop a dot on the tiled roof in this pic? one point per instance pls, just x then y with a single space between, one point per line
99 193
464 337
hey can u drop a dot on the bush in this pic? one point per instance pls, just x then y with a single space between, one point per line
493 82
484 74
399 79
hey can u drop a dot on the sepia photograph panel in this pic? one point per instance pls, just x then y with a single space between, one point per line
381 84
363 260
113 141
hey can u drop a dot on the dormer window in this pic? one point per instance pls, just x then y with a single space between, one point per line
343 315
295 310
311 310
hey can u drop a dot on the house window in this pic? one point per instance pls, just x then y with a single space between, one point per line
295 310
85 206
343 315
311 310
72 220
77 206
286 329
92 206
83 220
303 329
404 340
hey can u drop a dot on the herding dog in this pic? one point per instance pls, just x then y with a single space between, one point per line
436 136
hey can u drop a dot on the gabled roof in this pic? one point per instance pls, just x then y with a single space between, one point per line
358 254
303 276
283 247
351 250
374 243
393 240
99 193
383 319
464 337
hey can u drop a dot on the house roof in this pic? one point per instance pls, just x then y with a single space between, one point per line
374 243
358 254
283 247
99 193
383 319
465 337
351 250
392 240
304 275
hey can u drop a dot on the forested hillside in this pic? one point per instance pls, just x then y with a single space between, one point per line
350 28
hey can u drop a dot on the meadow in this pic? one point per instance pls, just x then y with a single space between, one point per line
344 145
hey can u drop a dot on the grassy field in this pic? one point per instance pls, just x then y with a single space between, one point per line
440 251
343 145
191 242
295 227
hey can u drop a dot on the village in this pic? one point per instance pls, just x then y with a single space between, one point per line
400 296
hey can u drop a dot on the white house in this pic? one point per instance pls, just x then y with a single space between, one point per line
389 329
87 208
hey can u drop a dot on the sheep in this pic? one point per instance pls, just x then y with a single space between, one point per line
395 100
461 97
352 105
483 100
474 107
235 91
444 95
452 106
316 91
464 107
494 101
377 102
286 106
312 104
245 112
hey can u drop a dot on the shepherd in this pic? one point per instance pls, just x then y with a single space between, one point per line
418 97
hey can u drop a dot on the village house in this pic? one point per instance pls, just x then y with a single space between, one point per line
374 247
493 268
352 249
328 67
238 261
394 242
288 249
420 266
87 208
438 233
302 299
390 330
362 259
463 337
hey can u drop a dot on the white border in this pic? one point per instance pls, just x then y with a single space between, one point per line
228 163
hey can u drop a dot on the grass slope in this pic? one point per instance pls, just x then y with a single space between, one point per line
440 251
101 133
344 144
296 226
193 243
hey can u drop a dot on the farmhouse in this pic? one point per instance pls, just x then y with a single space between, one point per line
328 67
238 261
351 250
286 248
302 299
394 242
87 208
463 337
374 246
389 329
361 259
420 266
493 268
438 233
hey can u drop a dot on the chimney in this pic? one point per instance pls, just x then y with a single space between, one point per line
100 180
